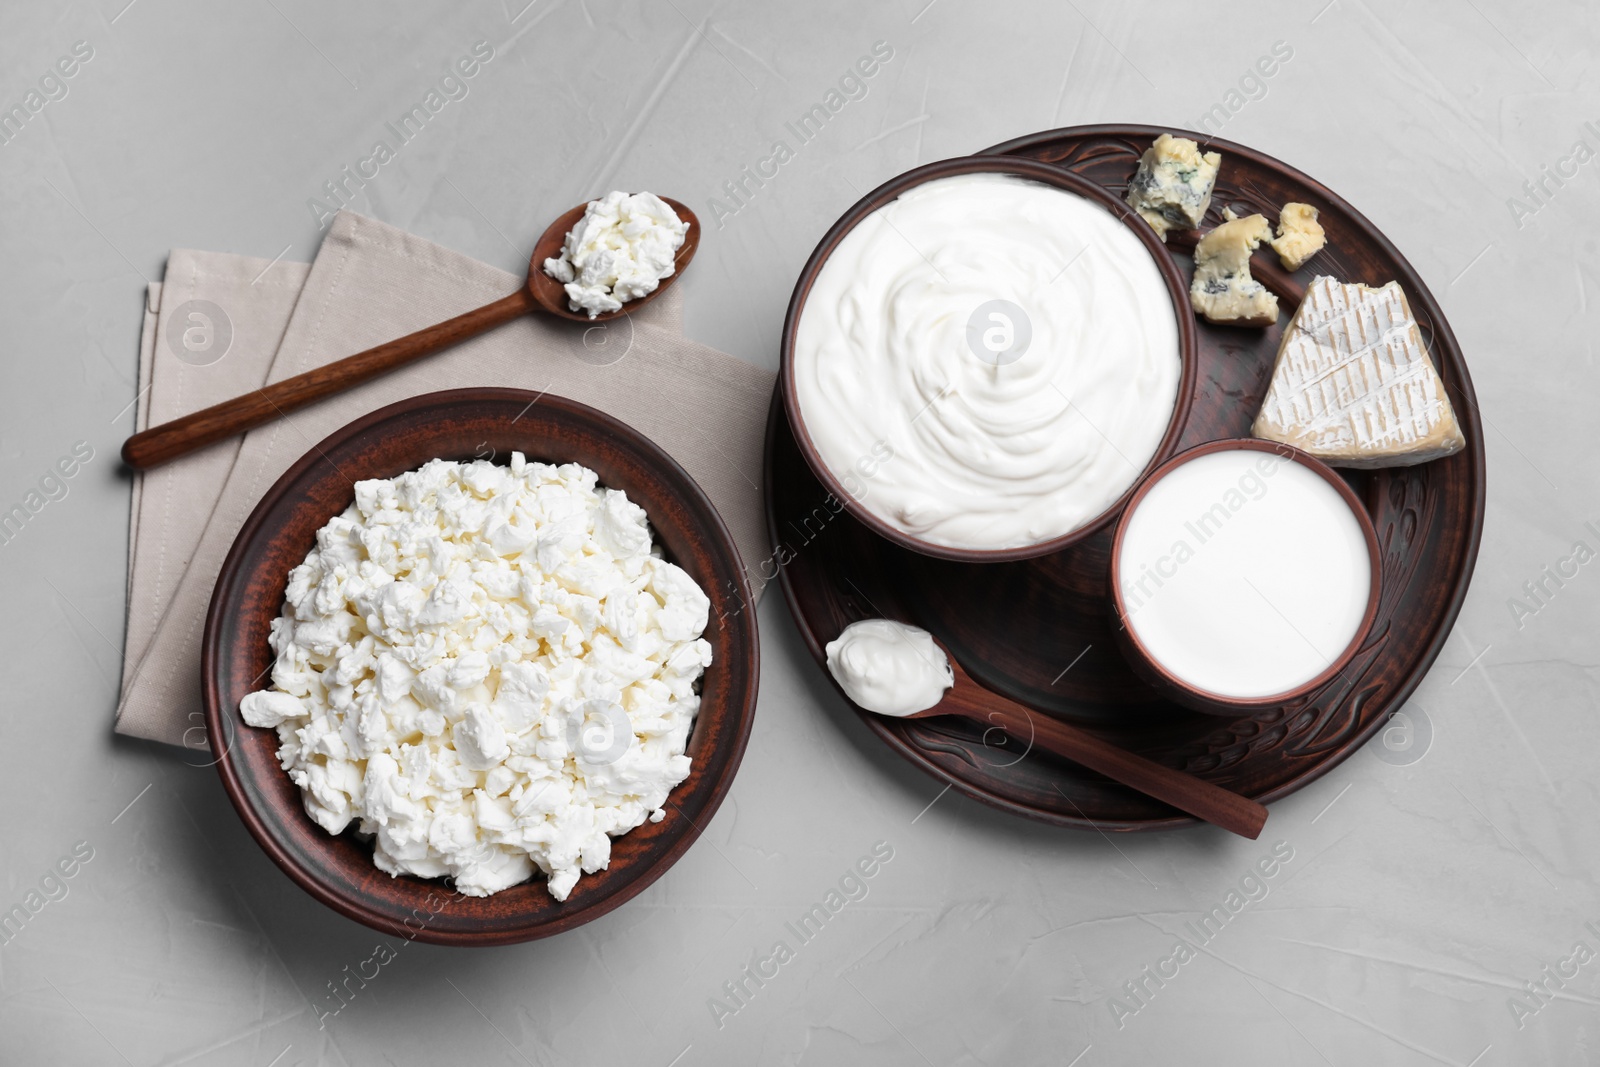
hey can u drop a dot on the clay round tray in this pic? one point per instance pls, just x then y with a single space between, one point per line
1040 630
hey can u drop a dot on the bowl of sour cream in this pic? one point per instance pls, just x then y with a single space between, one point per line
1246 576
984 356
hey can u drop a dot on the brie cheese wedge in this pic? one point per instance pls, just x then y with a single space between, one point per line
1223 292
1172 187
1353 384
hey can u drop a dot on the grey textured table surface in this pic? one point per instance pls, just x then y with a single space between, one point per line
1428 884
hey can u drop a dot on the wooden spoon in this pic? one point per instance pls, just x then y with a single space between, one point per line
969 700
543 293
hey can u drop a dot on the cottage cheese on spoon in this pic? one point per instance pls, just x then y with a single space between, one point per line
487 669
619 251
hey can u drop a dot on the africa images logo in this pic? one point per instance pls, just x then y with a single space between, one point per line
199 332
999 332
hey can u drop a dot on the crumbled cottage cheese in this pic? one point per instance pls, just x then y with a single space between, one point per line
486 668
619 251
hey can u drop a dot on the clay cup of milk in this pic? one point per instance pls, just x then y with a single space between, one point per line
1245 576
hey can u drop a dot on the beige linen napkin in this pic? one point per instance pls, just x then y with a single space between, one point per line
372 282
192 356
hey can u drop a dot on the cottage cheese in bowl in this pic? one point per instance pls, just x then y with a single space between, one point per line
489 670
1014 344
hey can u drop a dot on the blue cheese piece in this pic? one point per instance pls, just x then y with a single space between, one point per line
1223 292
1353 384
1299 237
1172 187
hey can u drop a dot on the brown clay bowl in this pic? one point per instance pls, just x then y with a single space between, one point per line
1177 689
1032 170
464 424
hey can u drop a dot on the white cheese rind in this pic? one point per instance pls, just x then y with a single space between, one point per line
1223 291
488 670
1353 384
1171 190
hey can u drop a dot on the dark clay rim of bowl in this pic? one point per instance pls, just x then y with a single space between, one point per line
1217 703
721 728
1045 174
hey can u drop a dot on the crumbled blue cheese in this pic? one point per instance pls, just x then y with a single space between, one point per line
1223 291
1299 237
1172 188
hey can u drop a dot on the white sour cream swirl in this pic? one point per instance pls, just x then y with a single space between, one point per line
889 667
989 453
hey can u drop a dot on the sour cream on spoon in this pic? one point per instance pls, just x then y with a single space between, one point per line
889 667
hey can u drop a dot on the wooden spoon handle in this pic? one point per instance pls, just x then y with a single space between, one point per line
179 437
1185 792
